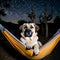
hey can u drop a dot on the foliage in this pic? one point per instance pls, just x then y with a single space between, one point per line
20 22
3 6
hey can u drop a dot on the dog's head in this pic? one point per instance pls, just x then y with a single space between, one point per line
29 29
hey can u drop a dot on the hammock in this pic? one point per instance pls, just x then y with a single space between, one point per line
45 50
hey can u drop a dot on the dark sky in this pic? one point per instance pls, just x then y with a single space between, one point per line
19 9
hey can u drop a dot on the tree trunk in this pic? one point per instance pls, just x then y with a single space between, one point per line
46 30
42 29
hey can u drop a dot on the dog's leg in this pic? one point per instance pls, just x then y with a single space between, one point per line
28 46
40 44
36 49
23 41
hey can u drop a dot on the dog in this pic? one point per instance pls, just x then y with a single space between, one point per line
29 37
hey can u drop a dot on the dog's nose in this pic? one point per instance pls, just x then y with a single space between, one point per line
28 33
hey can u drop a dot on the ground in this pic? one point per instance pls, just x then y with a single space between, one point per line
4 55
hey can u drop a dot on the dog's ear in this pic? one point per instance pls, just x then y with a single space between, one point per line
21 27
36 27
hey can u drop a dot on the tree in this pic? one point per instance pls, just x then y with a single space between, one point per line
32 14
3 6
44 19
20 22
6 5
57 20
2 12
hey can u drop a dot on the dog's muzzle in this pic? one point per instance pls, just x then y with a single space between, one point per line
28 33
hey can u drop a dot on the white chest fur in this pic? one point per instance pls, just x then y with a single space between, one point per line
29 41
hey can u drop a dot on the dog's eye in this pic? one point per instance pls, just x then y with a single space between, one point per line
25 27
31 26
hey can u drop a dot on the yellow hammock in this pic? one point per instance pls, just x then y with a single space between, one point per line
45 50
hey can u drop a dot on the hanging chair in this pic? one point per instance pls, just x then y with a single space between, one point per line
45 50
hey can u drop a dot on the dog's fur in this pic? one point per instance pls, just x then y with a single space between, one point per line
31 41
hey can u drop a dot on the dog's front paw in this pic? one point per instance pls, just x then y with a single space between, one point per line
36 51
28 46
